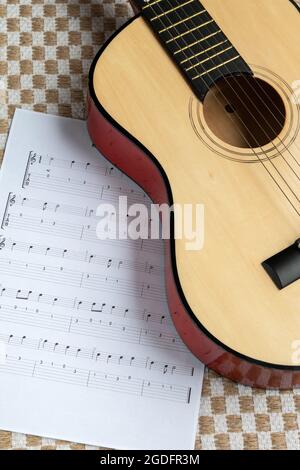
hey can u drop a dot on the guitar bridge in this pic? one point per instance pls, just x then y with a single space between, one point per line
284 267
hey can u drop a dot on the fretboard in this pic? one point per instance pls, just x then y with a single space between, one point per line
194 41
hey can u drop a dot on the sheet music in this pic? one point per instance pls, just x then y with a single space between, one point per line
90 353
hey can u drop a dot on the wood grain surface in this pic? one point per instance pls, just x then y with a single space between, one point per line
46 47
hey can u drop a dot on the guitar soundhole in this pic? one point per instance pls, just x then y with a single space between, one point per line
244 111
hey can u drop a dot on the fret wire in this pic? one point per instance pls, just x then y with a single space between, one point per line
190 31
181 21
196 42
204 51
171 10
209 58
216 67
151 4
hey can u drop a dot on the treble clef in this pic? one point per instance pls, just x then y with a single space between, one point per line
12 200
33 159
2 242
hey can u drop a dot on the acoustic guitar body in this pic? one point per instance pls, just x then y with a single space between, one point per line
145 118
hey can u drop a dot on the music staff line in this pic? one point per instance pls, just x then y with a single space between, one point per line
73 231
62 373
72 278
78 187
7 244
92 327
94 354
18 200
75 303
72 165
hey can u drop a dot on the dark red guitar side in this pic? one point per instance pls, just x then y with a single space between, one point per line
140 165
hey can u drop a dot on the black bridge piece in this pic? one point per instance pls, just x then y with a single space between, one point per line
284 268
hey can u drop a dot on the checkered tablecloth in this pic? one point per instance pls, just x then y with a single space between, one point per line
46 47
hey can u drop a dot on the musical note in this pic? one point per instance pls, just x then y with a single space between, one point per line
98 169
85 305
93 327
88 280
94 307
77 311
21 296
60 372
84 232
50 206
82 187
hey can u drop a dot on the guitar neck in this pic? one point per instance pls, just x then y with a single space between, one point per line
195 42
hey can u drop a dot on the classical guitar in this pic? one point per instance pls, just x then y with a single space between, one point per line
198 102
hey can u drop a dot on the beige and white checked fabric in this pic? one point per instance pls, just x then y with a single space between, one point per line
46 47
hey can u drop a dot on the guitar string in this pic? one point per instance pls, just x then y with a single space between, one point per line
281 114
262 115
242 135
273 114
270 160
244 138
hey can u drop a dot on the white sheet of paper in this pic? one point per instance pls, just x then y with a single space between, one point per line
88 349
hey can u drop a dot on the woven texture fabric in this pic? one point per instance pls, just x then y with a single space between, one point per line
46 47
